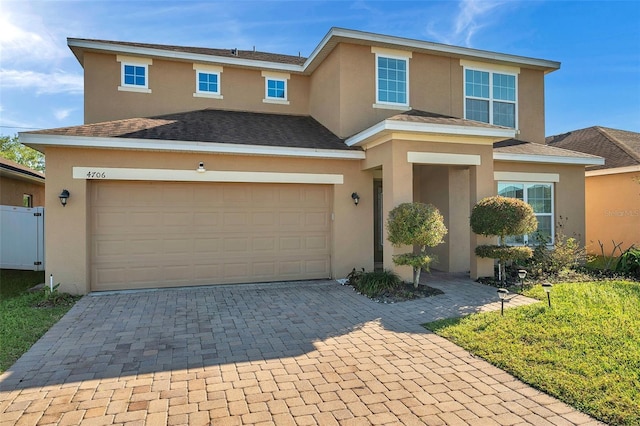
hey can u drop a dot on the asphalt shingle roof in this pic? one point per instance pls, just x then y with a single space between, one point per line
619 148
418 116
12 166
515 146
218 126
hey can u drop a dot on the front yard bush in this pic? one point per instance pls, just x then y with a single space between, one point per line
372 284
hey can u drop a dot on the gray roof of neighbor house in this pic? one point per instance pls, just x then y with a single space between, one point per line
10 168
219 126
620 148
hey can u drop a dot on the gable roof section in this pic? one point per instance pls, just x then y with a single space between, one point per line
416 121
11 169
522 151
619 148
206 130
298 64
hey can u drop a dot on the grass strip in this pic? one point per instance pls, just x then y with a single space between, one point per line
21 322
584 350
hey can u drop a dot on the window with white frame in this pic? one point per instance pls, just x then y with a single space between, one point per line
275 87
540 197
392 78
490 97
134 74
208 82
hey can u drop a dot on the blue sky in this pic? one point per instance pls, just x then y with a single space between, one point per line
598 44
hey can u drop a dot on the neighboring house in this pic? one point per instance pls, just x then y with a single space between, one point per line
19 185
204 166
612 189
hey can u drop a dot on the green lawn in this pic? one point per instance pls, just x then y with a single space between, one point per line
584 350
21 323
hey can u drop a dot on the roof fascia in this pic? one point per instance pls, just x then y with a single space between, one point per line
446 129
443 49
14 174
185 146
553 159
612 171
185 56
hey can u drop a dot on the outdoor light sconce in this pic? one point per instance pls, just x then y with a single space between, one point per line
547 289
64 196
502 294
356 198
201 168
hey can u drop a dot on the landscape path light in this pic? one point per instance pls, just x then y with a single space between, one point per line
547 289
522 274
502 294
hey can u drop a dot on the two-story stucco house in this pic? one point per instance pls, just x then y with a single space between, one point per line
202 166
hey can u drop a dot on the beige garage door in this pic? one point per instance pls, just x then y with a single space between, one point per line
159 234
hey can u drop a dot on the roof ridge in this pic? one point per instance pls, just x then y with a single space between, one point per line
621 144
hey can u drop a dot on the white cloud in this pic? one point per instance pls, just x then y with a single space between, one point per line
62 113
20 45
42 83
472 15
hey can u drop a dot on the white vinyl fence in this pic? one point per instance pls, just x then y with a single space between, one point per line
22 238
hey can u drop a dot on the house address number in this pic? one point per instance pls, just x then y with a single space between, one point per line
96 175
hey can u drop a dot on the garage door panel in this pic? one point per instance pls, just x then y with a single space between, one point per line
176 234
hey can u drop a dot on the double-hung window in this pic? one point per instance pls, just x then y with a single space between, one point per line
540 197
392 78
134 74
208 83
491 96
275 87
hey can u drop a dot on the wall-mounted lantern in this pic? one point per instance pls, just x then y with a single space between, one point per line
356 198
64 196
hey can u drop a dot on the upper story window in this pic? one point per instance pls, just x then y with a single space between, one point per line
275 87
491 96
392 78
134 74
540 197
208 84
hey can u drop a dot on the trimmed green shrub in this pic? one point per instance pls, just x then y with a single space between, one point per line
372 284
504 253
503 216
419 225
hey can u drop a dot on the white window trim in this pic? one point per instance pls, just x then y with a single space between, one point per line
276 76
391 54
506 70
136 62
208 69
553 206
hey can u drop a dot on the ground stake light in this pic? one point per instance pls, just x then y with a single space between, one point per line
502 294
547 289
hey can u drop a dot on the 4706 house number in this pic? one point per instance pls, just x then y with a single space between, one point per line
96 175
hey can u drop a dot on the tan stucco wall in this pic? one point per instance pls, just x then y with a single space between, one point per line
173 84
340 93
531 106
67 232
12 190
569 194
613 211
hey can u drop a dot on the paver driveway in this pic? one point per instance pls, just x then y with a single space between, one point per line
295 353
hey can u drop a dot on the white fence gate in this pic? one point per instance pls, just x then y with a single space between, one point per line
22 238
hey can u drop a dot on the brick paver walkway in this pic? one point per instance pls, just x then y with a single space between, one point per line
285 354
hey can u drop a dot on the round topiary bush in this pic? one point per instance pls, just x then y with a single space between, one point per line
415 224
502 216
